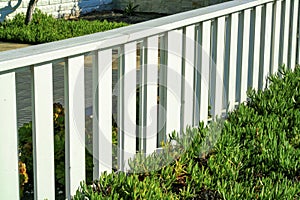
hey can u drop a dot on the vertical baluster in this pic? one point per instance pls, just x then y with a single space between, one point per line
174 81
245 56
119 91
75 124
285 53
205 67
151 93
197 72
141 88
267 46
256 52
233 60
189 64
219 83
213 69
43 132
102 116
276 38
293 43
9 172
162 89
129 110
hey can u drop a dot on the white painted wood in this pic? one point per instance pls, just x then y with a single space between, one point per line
129 110
9 171
267 46
213 68
276 39
102 116
95 85
43 132
293 47
61 49
205 67
75 124
174 81
151 94
118 90
75 106
256 53
219 85
233 61
197 77
286 33
189 68
163 42
245 56
141 85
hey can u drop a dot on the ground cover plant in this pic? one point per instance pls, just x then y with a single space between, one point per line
26 157
257 155
44 28
26 153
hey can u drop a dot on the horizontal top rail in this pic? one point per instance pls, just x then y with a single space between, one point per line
13 59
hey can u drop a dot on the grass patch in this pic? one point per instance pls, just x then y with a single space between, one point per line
44 28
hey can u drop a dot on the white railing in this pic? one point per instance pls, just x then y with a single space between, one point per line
213 54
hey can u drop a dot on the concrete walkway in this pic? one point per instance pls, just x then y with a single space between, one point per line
5 46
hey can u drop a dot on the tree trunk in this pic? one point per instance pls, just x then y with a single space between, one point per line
30 9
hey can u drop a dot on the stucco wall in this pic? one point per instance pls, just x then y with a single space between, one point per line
58 8
165 6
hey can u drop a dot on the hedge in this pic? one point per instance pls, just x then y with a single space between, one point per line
44 28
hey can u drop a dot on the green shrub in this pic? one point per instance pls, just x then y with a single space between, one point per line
256 156
44 28
25 147
130 9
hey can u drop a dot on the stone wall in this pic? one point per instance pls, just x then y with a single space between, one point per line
165 6
57 8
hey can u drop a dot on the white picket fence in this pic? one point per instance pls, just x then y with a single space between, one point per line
212 54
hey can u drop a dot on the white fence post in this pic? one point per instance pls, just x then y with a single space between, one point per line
219 82
129 109
257 46
151 93
75 124
267 45
189 67
174 81
245 55
43 132
198 50
204 70
293 43
162 89
276 39
286 30
233 60
9 171
102 115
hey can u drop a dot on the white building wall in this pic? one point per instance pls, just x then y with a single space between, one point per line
57 8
